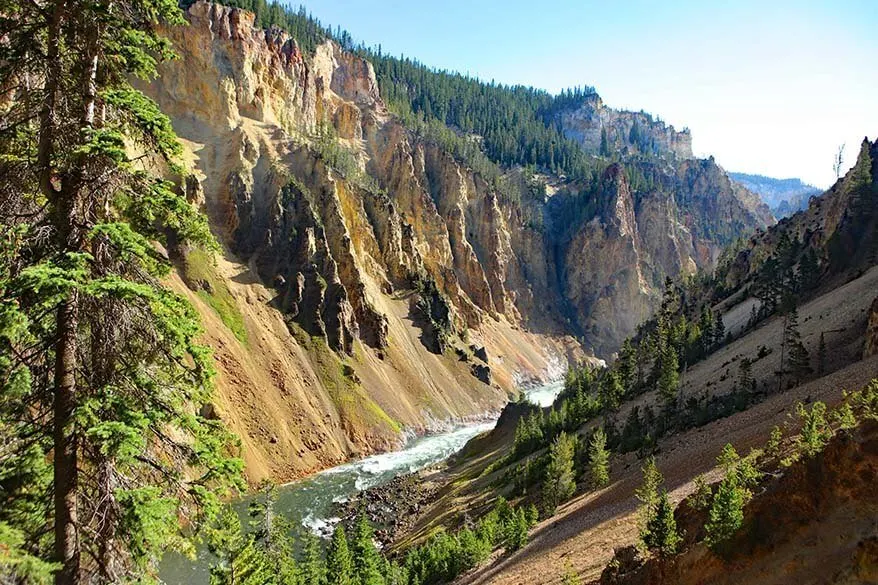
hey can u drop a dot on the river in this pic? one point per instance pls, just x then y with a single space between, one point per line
309 502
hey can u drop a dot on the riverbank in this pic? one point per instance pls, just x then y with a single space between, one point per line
394 506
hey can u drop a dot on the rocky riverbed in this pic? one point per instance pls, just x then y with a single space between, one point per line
392 507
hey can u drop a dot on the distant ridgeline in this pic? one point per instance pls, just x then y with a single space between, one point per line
784 196
487 124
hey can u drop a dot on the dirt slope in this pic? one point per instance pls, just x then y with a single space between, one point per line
582 535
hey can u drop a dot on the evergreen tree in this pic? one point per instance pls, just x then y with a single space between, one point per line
105 357
821 355
605 143
648 495
518 531
706 325
746 383
772 446
661 535
560 482
719 331
726 511
339 565
702 495
815 431
798 360
809 270
669 378
241 561
844 417
367 559
598 459
312 565
628 366
611 390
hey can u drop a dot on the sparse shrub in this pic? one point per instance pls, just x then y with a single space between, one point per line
570 577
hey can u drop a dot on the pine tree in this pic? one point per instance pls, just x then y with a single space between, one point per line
809 270
772 446
661 536
119 374
706 325
815 431
648 495
719 331
367 559
628 366
339 565
798 360
611 390
518 531
560 482
821 355
745 376
703 494
726 511
598 459
669 378
605 143
312 565
241 560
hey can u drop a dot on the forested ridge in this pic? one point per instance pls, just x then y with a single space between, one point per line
514 125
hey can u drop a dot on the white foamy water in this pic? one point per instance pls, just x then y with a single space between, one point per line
309 502
545 395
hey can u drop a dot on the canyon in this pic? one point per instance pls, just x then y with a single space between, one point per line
376 282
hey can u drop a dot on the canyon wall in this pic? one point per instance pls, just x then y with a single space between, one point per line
371 282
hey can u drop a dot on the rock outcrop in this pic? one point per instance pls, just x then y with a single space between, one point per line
596 126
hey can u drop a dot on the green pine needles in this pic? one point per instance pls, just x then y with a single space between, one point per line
110 457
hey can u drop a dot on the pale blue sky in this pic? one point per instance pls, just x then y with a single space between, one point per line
769 86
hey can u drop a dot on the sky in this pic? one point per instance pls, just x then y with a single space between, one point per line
772 87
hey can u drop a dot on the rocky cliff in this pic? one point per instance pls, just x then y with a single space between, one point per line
598 127
365 266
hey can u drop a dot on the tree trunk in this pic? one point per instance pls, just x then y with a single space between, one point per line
74 224
48 113
66 445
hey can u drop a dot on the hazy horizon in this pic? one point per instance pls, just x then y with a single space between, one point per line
766 90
